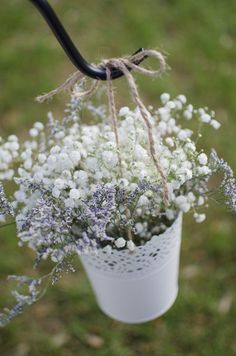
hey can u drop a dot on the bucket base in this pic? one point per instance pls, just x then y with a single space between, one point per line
144 320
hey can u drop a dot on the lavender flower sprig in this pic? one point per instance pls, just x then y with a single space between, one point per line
228 184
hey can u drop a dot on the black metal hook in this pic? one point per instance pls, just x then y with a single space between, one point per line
69 47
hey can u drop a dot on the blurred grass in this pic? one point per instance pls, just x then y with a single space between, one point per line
199 37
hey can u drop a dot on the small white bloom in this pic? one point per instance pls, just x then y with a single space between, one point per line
12 138
59 135
182 98
110 158
171 105
39 126
190 146
215 124
188 114
75 157
28 164
170 141
202 159
124 111
162 127
69 203
120 242
14 146
55 149
81 177
131 246
139 228
42 158
204 170
182 203
199 218
59 183
200 201
170 214
191 197
92 163
143 200
206 118
51 159
56 192
182 135
165 97
33 132
75 194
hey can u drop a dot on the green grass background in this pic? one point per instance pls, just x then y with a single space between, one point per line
200 39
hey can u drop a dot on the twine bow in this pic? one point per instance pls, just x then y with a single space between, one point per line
123 64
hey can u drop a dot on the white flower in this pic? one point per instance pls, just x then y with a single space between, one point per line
124 111
139 228
170 214
39 126
28 164
182 203
183 135
92 164
202 159
191 197
120 242
140 152
75 194
165 97
42 158
33 132
110 158
69 203
206 118
215 124
143 201
200 201
75 157
182 98
170 141
59 183
188 114
55 149
190 146
12 138
199 218
56 192
204 170
81 177
162 126
131 246
52 160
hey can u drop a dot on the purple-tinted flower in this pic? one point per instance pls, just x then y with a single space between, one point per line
5 207
97 211
228 184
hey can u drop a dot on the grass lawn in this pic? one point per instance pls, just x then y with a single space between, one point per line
199 37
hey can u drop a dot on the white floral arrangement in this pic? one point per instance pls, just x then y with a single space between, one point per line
70 197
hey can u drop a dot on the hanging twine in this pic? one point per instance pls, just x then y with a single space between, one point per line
123 64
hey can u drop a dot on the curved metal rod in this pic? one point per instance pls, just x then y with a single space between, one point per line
69 47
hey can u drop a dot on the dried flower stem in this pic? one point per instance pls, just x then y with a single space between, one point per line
122 65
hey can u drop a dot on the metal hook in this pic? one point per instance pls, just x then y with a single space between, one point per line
69 47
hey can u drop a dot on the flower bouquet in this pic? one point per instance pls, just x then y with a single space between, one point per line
97 191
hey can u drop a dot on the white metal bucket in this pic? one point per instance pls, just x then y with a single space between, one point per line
138 287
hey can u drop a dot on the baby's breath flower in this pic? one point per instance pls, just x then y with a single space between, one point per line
120 242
